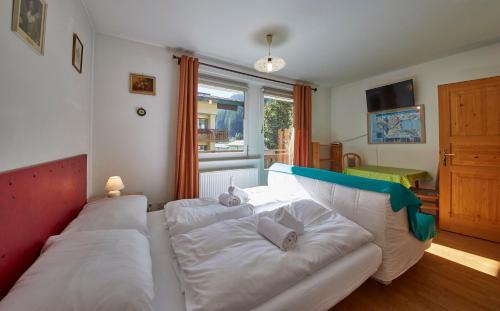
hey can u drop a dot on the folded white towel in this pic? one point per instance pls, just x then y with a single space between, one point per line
242 194
235 212
227 199
281 236
283 217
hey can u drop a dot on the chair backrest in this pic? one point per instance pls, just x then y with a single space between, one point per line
351 160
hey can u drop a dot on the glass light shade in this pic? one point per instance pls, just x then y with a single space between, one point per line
269 64
114 183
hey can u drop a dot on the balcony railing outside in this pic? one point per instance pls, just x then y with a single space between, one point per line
276 155
213 135
281 154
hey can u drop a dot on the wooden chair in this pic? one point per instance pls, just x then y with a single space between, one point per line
429 198
351 160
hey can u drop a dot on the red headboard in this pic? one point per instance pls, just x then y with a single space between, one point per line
35 203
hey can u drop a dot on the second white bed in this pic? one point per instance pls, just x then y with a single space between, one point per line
319 291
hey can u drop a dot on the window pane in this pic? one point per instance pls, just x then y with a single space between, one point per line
221 114
278 130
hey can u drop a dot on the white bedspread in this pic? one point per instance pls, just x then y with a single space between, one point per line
229 266
265 199
183 216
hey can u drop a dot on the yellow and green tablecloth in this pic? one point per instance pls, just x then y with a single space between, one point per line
403 176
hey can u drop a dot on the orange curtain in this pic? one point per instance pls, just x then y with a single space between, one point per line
186 155
302 119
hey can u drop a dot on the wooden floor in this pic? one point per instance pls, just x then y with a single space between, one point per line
436 283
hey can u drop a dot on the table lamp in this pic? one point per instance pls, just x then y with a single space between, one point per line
113 186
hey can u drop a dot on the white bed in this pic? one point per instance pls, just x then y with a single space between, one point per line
394 248
371 210
319 291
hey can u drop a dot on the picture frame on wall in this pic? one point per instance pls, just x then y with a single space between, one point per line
77 54
142 84
397 126
28 22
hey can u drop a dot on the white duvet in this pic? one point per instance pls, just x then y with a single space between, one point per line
263 198
229 266
183 216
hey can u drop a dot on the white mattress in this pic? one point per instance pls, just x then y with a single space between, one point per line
319 291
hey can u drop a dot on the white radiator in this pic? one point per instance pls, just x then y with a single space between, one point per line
213 183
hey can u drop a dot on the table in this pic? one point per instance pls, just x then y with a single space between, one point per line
405 176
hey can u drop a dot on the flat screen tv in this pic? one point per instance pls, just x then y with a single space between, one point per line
391 96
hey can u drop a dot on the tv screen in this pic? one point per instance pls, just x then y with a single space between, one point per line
391 96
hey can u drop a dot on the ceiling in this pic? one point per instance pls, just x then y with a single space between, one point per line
329 42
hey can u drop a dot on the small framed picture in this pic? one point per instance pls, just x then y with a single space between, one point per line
142 84
77 57
28 21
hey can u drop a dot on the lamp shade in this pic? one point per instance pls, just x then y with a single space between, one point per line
269 64
114 183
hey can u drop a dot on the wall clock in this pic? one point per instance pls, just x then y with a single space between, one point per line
141 112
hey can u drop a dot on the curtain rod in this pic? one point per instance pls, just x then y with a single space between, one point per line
242 73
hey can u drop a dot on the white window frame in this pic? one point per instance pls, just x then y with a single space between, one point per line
270 91
235 85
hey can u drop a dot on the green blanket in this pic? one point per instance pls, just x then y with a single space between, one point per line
422 225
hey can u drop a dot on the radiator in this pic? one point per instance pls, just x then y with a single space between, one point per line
213 183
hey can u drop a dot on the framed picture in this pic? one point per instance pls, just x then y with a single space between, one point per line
28 21
397 126
77 57
142 84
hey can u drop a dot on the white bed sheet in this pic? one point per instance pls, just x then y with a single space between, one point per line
319 291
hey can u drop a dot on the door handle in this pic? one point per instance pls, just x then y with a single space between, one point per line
446 155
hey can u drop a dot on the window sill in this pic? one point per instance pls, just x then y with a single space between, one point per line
239 158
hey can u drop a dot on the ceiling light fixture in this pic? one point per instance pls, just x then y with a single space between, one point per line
269 63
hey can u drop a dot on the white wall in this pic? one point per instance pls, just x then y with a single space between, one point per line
45 103
348 112
142 150
139 149
321 121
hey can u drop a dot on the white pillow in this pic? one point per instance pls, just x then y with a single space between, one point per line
95 270
127 212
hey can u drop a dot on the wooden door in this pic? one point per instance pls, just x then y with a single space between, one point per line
469 139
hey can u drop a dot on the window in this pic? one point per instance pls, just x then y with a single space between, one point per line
278 127
221 115
203 121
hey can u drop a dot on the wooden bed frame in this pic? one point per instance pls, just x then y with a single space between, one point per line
35 203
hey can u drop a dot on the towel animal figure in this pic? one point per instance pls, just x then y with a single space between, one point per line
234 195
228 199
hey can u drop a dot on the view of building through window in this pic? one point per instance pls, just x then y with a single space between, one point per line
221 114
278 130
